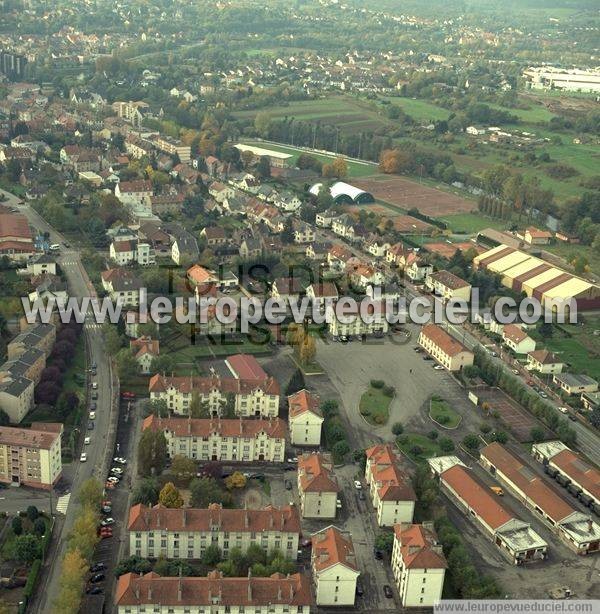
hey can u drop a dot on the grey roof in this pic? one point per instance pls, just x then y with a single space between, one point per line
575 379
31 356
41 329
15 367
16 386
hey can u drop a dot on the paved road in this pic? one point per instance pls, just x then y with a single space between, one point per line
102 436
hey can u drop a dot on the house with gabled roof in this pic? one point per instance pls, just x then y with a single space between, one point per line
418 564
544 361
515 338
317 486
334 567
305 418
145 350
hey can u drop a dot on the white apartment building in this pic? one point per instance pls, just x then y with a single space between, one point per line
447 350
317 486
346 322
391 494
186 533
222 440
131 252
304 418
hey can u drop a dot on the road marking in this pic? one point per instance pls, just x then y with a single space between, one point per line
63 503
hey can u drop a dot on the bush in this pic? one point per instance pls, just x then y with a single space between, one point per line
446 444
416 450
17 525
377 383
485 428
433 435
32 578
442 419
397 428
499 436
389 391
471 442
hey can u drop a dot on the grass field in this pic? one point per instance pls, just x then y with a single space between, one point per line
374 406
418 447
471 223
582 349
569 252
355 169
420 110
441 412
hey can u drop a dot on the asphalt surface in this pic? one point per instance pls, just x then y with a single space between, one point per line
99 451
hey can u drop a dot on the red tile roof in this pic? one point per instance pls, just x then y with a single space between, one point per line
330 547
14 225
515 333
303 401
477 496
449 280
145 518
393 484
443 340
138 185
419 547
544 357
30 438
579 471
186 385
246 367
537 490
152 589
315 471
201 427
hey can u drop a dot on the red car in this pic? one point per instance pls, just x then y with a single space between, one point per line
105 532
128 395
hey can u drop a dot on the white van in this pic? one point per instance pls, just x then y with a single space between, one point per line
54 247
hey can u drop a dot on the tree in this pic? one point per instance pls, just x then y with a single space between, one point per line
27 548
595 418
74 570
146 492
112 339
340 168
307 350
384 541
183 468
170 497
263 168
235 480
471 442
395 161
211 556
156 407
537 433
296 382
164 363
262 123
446 444
126 364
17 525
90 493
199 408
83 535
339 450
39 527
204 491
397 428
32 513
152 452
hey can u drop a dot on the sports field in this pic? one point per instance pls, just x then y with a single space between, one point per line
407 194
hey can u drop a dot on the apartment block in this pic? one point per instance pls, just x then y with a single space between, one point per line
418 564
447 350
448 286
214 594
317 486
221 439
334 568
186 533
31 457
391 493
304 418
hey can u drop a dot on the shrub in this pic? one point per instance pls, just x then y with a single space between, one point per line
443 419
416 450
397 428
433 435
389 391
446 444
377 383
471 442
32 578
485 428
17 525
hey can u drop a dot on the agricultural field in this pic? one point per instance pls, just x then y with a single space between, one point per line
578 345
472 223
420 110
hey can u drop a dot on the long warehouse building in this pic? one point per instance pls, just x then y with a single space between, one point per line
515 538
576 529
579 477
522 272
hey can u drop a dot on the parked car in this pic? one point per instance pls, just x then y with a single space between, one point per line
387 591
92 415
338 504
97 567
94 590
83 457
117 471
90 425
357 485
361 495
94 385
359 589
306 543
563 409
438 367
377 553
288 485
106 509
99 577
113 479
293 459
427 357
289 468
120 460
107 522
93 406
87 441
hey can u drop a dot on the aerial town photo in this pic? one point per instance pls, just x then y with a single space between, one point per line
299 306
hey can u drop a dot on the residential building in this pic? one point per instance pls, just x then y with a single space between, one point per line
214 235
317 486
590 400
516 539
324 219
447 350
448 286
136 195
418 564
572 383
391 493
150 592
535 236
318 250
201 276
222 439
31 457
344 227
398 254
30 365
122 286
576 529
322 293
577 474
349 322
544 362
173 147
41 336
245 397
376 246
334 568
303 232
417 270
363 275
145 350
133 112
288 288
16 396
186 533
43 264
516 339
305 419
16 238
132 252
338 256
220 191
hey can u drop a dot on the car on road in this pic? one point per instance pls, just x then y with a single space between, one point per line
515 371
344 339
288 485
92 415
378 554
94 385
106 532
128 395
90 425
357 485
67 245
289 468
83 457
117 471
417 349
54 247
563 410
97 567
120 460
94 365
106 509
427 357
94 590
293 459
107 522
113 479
438 367
93 406
573 417
338 504
98 577
87 441
94 396
361 495
387 591
543 394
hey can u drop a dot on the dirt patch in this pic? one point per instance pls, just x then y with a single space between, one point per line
254 499
512 415
407 194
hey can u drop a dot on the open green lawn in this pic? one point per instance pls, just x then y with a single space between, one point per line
441 412
472 223
420 110
417 447
569 252
355 169
535 112
582 349
374 406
